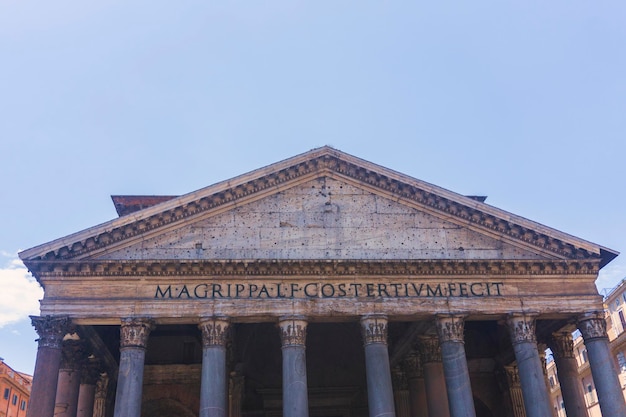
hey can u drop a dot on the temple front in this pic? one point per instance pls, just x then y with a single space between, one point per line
324 286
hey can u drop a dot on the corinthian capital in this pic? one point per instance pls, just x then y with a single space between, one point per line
374 329
73 354
292 331
413 365
592 326
214 331
450 328
429 349
562 345
51 330
512 375
522 328
134 332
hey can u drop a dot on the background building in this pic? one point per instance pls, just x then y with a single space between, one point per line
15 389
615 303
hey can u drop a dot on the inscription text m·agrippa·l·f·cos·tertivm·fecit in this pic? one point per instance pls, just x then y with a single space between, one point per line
276 290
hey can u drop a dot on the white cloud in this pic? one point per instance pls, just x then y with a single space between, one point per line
20 291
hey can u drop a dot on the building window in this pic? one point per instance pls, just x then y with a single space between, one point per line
591 394
14 399
23 405
7 392
622 320
621 361
551 381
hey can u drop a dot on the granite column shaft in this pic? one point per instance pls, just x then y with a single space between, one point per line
434 379
379 385
534 391
450 329
562 346
295 388
603 367
133 342
213 385
43 392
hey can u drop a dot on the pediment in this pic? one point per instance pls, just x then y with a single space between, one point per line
324 218
282 211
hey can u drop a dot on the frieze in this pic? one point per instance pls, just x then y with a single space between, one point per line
51 330
450 328
374 329
337 267
292 331
290 290
319 165
214 331
134 332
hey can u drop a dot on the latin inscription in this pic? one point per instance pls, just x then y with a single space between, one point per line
328 290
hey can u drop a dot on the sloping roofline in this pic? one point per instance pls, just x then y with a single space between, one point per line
318 160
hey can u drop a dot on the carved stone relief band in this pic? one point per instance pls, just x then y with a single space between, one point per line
592 326
214 331
134 332
429 349
51 330
522 328
562 345
292 331
374 329
450 328
413 365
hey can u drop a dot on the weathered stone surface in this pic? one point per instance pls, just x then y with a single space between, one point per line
322 219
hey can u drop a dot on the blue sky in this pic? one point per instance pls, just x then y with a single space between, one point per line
521 101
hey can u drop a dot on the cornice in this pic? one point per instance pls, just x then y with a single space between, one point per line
273 267
325 161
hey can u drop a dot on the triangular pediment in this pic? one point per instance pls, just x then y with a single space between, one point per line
323 218
323 204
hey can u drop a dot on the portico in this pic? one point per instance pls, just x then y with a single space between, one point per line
295 289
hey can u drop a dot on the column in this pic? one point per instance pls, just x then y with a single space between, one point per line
603 368
434 380
235 389
515 391
379 388
534 390
562 346
87 391
417 390
102 391
450 329
295 392
400 392
44 389
213 385
134 334
73 357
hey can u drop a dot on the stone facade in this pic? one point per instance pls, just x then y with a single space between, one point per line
297 288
